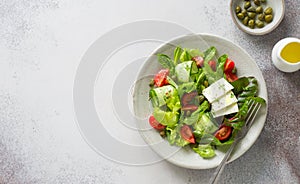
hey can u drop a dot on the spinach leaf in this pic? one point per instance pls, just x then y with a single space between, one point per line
209 54
166 62
238 121
185 56
221 62
210 74
195 52
186 88
177 53
194 118
245 87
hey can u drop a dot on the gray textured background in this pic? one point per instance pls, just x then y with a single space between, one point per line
41 43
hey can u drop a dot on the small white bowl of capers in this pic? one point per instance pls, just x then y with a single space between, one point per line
257 17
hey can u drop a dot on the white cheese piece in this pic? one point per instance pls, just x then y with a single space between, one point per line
223 101
217 89
233 108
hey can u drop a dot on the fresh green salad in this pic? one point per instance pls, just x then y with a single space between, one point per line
191 91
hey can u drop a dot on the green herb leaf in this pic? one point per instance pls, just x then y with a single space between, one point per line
166 62
177 52
185 56
205 151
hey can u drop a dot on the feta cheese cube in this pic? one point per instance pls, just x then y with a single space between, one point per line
217 89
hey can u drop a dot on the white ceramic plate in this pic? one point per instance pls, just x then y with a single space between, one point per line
185 157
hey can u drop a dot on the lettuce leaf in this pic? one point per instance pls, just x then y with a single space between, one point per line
174 137
205 151
171 134
167 118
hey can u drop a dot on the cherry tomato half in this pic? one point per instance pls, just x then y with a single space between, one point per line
223 133
231 77
213 65
190 107
187 134
229 66
188 97
155 124
199 61
160 79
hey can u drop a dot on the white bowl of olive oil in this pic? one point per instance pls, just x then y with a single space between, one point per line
286 54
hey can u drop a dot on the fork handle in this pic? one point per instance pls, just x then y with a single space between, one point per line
220 168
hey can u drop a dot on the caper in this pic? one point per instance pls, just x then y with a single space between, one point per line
261 17
268 18
257 2
162 133
259 24
251 24
238 9
240 16
251 15
201 98
205 83
244 12
268 11
245 21
247 5
251 9
259 9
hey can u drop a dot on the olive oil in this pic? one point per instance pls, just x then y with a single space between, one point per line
291 52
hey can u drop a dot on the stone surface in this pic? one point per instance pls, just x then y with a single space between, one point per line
41 43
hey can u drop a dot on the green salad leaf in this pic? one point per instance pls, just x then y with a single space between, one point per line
195 116
220 68
205 151
177 53
185 56
245 87
167 118
171 134
166 62
195 52
186 88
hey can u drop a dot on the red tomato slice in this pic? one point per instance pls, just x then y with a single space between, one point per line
188 97
213 65
231 77
223 133
228 66
187 134
155 124
199 61
160 79
190 107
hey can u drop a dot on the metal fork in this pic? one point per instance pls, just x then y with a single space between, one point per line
251 114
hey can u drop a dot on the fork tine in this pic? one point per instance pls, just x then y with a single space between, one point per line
252 115
250 107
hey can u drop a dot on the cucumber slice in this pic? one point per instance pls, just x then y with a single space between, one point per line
184 70
160 95
206 124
